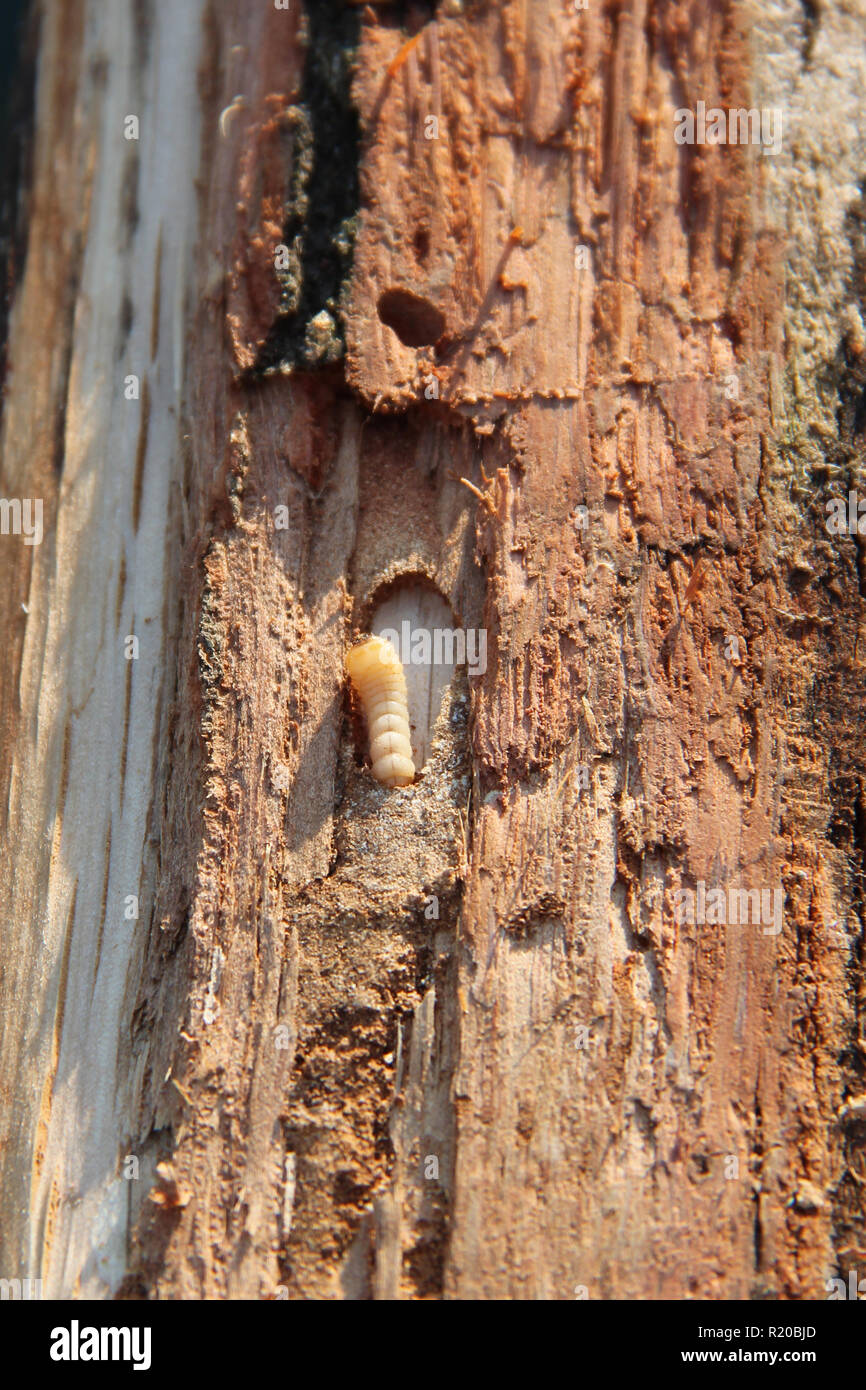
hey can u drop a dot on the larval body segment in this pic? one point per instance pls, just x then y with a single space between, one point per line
377 675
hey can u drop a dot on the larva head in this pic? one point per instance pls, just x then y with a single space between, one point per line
377 675
375 656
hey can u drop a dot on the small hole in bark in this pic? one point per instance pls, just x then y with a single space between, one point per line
416 321
731 329
446 348
421 242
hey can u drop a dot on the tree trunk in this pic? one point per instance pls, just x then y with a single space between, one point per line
375 316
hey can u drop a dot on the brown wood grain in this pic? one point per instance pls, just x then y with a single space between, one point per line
451 1041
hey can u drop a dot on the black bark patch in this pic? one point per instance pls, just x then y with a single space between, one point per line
321 215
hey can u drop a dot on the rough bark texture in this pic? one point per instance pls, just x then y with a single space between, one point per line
451 1040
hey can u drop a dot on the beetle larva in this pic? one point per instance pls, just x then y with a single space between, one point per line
377 675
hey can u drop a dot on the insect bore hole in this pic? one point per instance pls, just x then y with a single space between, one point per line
416 321
424 653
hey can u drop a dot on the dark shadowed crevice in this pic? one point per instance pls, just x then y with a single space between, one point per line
320 225
416 321
19 31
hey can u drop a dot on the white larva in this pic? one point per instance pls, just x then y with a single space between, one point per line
377 675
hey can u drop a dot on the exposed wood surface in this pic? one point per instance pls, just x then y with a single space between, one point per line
448 1040
83 728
